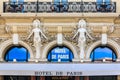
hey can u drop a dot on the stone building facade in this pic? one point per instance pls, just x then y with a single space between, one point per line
57 29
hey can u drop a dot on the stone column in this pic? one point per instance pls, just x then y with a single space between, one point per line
117 5
1 6
59 36
104 35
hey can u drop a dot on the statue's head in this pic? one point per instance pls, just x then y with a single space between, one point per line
36 23
82 23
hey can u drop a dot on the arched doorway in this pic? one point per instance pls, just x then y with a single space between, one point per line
16 54
98 54
103 52
60 54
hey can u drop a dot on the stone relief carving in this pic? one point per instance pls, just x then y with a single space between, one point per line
82 35
37 35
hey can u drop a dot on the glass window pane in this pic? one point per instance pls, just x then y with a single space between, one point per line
20 1
13 0
18 53
64 1
60 54
103 52
107 1
56 1
99 1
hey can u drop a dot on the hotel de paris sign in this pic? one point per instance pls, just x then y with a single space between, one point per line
60 69
49 73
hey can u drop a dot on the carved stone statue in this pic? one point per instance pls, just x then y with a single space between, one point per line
37 32
82 34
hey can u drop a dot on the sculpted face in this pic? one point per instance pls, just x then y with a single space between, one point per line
36 23
82 23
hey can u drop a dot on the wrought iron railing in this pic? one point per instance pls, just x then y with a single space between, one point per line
51 7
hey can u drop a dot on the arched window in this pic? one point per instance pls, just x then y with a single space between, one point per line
101 52
60 54
17 53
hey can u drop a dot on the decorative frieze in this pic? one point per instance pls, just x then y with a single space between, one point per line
72 33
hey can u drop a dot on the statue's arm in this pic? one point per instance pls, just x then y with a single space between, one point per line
43 35
75 35
30 35
89 35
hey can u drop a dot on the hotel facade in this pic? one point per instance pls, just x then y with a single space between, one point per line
59 40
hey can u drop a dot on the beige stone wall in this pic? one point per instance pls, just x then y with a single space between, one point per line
51 30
